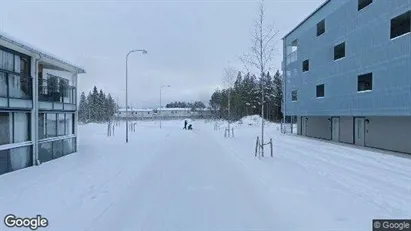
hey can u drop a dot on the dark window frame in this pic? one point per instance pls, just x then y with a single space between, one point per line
320 89
363 4
294 96
365 79
400 25
306 65
339 51
320 27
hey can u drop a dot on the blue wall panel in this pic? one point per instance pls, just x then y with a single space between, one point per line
368 48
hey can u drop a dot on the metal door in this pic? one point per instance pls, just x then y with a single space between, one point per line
359 131
335 129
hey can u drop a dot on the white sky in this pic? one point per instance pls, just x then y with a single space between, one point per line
189 43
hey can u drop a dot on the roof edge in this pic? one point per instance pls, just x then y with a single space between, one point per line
306 18
7 38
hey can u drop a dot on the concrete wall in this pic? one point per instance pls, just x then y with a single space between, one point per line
319 127
390 133
347 129
368 48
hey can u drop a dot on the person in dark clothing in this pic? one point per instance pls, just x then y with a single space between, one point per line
185 124
190 127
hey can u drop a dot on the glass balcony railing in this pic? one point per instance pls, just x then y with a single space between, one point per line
66 94
17 86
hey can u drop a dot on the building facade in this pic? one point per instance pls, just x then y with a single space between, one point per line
165 113
347 71
38 106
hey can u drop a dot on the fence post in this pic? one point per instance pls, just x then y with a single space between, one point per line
256 147
271 146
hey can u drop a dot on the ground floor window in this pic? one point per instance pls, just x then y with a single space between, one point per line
55 124
15 159
14 127
55 149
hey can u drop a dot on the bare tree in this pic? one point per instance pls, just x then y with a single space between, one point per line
228 82
261 54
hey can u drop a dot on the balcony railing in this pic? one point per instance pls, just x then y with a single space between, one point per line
66 94
17 86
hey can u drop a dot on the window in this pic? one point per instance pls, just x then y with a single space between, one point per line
15 159
45 152
69 124
339 51
68 146
321 27
14 127
57 149
401 25
306 65
365 82
320 90
363 3
3 84
294 95
61 124
51 125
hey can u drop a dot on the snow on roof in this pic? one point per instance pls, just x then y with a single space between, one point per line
174 109
30 48
135 109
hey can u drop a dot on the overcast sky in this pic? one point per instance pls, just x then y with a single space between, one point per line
189 43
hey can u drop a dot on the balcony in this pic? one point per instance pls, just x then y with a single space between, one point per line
56 95
15 90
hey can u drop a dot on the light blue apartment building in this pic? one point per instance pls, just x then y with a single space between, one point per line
348 73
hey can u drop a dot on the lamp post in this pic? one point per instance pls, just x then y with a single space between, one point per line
160 102
132 51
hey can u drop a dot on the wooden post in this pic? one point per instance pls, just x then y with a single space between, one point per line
256 147
271 146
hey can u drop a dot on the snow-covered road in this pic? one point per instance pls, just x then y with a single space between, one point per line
172 179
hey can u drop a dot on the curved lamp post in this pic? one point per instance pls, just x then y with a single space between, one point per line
132 51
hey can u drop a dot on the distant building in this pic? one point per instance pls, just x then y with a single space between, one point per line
165 113
348 73
38 106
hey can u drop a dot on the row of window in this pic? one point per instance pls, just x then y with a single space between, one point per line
400 25
55 124
22 157
14 62
364 83
15 127
55 149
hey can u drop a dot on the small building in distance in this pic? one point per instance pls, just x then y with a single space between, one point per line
164 113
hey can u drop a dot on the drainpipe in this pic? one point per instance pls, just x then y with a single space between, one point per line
35 117
75 122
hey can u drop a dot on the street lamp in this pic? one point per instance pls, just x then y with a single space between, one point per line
160 102
132 51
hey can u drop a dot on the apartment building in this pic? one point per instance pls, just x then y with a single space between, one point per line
38 106
348 73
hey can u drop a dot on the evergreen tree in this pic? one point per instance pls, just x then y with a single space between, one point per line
94 105
82 111
89 107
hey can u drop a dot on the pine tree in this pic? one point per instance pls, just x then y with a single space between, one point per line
89 107
101 98
94 107
82 111
278 91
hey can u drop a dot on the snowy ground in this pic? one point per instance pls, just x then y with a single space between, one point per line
172 179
